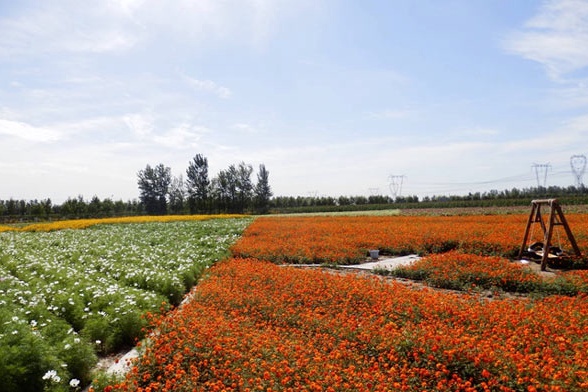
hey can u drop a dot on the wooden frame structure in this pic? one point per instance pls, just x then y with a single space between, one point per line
556 218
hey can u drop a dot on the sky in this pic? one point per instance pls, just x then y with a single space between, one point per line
334 97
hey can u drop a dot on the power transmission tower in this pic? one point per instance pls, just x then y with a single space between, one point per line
578 164
374 191
396 185
541 173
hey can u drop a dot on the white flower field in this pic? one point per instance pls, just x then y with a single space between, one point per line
68 296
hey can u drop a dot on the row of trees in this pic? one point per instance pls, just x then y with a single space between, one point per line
231 191
514 194
18 210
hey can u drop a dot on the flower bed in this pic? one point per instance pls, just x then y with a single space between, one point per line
460 271
346 240
85 223
67 295
253 326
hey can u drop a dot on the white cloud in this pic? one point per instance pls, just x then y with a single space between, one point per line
393 113
251 22
98 41
476 132
209 86
557 37
65 27
119 25
28 132
140 125
563 140
181 137
246 128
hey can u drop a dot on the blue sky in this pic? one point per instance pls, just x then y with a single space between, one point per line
333 97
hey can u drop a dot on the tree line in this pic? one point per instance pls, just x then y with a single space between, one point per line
507 197
22 210
231 191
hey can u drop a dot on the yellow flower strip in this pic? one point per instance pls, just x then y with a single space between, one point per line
84 223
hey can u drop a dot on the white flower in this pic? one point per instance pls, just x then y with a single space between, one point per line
49 374
52 376
74 382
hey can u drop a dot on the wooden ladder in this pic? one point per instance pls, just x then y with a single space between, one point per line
556 218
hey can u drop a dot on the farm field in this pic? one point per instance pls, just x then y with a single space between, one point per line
67 296
346 239
255 325
70 295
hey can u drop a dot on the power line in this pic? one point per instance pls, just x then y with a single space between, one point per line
515 178
540 174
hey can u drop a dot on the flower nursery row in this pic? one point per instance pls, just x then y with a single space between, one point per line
462 271
254 326
346 240
84 223
68 295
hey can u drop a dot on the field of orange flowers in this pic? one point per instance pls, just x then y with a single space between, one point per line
252 325
462 271
347 239
255 326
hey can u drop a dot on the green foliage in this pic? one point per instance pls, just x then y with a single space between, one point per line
154 185
262 191
102 380
66 296
197 183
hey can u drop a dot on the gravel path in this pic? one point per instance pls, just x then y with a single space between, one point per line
384 263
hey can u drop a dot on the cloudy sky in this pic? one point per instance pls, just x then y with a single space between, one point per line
334 97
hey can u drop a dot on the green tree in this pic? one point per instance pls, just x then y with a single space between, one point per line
154 185
232 189
177 195
74 207
244 186
222 189
262 191
95 207
197 183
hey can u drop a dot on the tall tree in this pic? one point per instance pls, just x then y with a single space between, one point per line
262 191
232 188
197 183
153 188
244 186
222 190
177 195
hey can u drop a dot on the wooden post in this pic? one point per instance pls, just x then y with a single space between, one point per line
564 223
526 236
547 237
